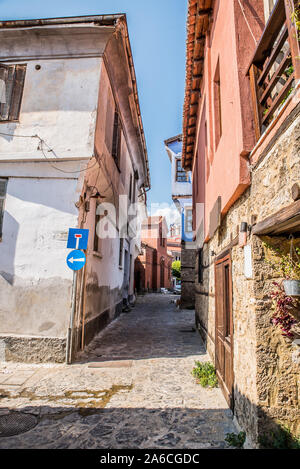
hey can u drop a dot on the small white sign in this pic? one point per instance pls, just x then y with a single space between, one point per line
248 261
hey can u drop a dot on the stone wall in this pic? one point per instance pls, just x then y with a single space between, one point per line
188 257
266 365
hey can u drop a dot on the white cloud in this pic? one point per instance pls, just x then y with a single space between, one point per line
169 211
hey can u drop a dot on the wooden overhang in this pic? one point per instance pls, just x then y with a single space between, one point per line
199 12
283 222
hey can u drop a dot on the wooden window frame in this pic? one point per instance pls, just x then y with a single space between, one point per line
121 251
16 81
186 219
116 139
178 160
217 105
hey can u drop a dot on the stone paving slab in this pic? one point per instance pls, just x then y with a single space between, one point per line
131 388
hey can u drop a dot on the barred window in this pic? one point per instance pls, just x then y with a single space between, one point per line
188 220
181 175
3 185
11 90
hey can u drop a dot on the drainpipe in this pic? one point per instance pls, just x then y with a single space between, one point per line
70 329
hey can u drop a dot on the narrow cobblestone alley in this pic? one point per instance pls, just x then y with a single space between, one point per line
131 388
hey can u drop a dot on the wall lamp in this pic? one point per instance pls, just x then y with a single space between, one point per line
243 234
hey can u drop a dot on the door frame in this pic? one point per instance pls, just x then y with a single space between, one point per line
228 342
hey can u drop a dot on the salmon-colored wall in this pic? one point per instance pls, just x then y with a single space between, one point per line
150 236
224 170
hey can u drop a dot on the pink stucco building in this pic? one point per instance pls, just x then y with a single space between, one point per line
241 141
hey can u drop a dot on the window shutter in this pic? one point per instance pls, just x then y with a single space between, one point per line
116 137
3 91
17 92
12 83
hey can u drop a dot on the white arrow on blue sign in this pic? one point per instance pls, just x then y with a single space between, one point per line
76 260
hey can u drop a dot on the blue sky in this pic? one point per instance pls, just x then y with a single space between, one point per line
157 30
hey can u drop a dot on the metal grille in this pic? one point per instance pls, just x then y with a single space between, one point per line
16 423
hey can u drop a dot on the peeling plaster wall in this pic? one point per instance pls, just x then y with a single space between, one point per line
35 282
59 104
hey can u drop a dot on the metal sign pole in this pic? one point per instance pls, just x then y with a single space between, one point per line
70 330
76 259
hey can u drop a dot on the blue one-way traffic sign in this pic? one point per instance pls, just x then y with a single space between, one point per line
78 239
76 260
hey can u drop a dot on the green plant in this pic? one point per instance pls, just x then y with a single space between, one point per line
288 94
281 438
288 71
236 440
205 373
283 306
176 269
284 264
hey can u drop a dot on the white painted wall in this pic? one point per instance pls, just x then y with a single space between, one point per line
179 188
59 104
35 282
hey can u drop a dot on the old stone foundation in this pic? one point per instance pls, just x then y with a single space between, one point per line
32 349
266 365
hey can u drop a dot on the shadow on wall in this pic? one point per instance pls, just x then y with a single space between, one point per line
264 430
202 294
8 251
139 276
40 205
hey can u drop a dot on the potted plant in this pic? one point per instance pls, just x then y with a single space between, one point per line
291 271
288 267
286 309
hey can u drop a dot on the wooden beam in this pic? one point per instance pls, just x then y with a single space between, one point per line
269 36
255 103
204 12
271 59
285 219
279 98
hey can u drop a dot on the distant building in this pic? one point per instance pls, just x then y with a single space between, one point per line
182 198
153 266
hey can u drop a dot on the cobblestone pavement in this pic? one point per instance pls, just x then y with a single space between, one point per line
131 388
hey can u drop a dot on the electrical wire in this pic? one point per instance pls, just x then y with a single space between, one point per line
50 150
247 22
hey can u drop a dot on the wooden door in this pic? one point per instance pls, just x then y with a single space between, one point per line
224 327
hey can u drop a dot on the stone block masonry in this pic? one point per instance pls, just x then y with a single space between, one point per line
188 277
266 365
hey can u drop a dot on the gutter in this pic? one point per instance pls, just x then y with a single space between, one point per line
100 19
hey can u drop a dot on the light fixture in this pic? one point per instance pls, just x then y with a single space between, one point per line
243 234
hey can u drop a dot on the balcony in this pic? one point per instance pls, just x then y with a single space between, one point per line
275 66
